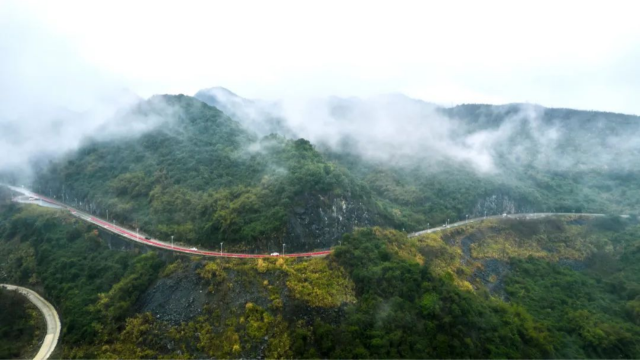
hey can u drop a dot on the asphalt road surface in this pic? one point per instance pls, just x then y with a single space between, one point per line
504 216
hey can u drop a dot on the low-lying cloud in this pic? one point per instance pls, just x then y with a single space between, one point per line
390 128
50 98
400 131
51 101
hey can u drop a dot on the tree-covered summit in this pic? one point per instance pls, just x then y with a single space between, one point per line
203 178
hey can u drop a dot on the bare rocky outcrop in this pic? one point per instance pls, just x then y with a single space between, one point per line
321 220
497 204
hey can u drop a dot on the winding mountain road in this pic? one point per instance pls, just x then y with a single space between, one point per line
505 216
51 316
134 236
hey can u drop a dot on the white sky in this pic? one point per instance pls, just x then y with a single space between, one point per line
574 54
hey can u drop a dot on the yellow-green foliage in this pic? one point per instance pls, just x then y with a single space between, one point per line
171 268
140 330
463 284
443 259
397 242
257 321
319 284
439 257
427 249
210 269
536 238
269 264
430 250
262 266
260 323
318 281
505 247
279 346
219 345
274 296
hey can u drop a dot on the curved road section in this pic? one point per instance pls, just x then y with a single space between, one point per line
50 315
504 216
34 198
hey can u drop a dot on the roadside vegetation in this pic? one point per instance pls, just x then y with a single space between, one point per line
201 178
378 295
22 326
92 287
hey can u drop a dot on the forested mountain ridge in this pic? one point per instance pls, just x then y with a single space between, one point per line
202 178
558 139
468 159
206 178
261 117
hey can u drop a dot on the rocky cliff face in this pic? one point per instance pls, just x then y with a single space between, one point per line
497 204
321 221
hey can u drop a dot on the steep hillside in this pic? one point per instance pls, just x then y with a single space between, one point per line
196 174
542 160
559 287
426 164
556 140
201 177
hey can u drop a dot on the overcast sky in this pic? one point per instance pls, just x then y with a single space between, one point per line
558 53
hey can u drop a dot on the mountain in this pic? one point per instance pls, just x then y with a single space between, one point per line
261 117
556 139
355 175
203 178
193 172
397 129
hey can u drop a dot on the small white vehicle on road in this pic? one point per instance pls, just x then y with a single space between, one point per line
275 254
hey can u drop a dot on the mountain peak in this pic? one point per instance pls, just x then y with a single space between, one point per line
217 91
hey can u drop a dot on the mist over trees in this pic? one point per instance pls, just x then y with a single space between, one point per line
176 166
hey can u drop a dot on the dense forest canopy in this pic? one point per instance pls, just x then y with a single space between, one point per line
557 287
21 326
